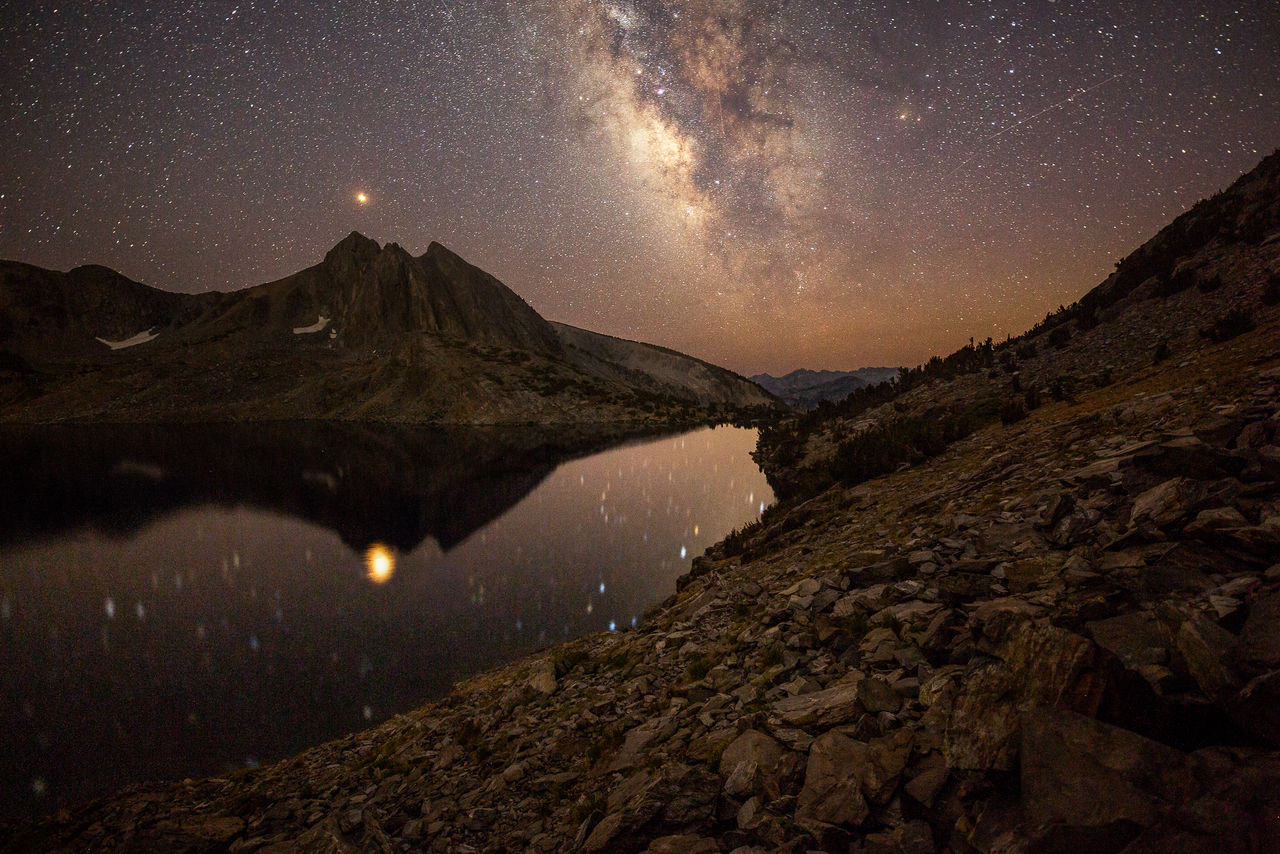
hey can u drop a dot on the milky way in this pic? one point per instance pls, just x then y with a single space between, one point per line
767 185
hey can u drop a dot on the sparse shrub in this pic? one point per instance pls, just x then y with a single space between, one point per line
1015 382
1059 336
1176 283
467 733
591 802
1103 378
772 656
700 667
1061 389
1026 351
1233 323
1161 353
1209 284
1031 397
883 448
1012 411
855 625
1087 318
1271 293
568 658
736 542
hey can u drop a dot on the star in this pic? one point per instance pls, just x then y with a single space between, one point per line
656 170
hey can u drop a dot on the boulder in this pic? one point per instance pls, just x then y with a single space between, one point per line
1081 772
1166 504
682 844
1207 522
1259 643
876 696
886 760
1185 456
832 792
1269 461
1238 814
1136 638
752 747
543 679
1038 665
1256 709
1204 647
828 707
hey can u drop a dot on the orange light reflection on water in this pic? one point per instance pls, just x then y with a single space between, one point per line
379 563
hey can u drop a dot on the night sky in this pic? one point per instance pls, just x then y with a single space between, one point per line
767 185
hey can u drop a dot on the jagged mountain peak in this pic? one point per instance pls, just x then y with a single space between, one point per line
374 293
351 254
370 331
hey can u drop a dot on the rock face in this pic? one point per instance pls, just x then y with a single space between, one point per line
374 295
805 389
369 333
46 314
657 369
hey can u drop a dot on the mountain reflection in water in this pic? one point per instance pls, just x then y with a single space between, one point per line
181 601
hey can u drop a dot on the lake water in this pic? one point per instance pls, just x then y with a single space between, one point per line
179 602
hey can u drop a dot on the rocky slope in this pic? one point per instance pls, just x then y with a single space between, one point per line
371 333
1060 633
1211 274
655 369
805 389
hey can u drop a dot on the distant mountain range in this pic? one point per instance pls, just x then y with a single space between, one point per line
805 389
370 333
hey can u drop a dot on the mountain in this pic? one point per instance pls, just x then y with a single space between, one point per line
654 369
370 333
1209 276
805 389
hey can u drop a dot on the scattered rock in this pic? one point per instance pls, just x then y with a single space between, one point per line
832 792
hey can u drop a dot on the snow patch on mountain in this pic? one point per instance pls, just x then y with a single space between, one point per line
141 338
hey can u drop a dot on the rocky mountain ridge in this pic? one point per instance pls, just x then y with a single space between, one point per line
1211 274
369 333
805 389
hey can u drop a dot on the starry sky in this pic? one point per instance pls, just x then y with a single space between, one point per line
761 183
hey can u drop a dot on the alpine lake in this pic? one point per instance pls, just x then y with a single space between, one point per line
183 601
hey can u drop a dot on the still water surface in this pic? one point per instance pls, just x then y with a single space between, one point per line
180 603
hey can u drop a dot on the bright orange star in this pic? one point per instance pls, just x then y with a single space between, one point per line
362 198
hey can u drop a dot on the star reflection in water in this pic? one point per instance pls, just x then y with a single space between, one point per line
175 627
